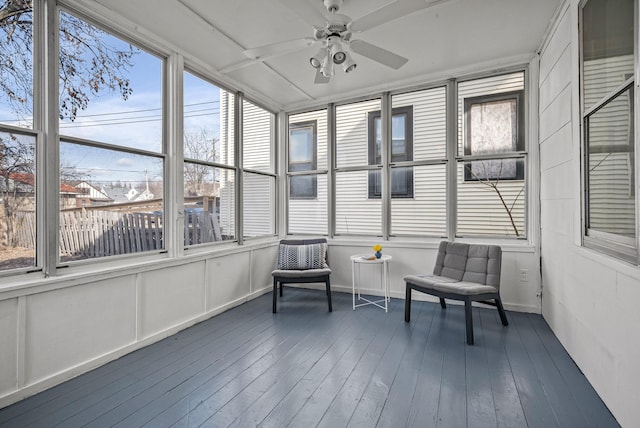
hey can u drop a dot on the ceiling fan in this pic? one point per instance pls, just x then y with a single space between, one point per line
333 32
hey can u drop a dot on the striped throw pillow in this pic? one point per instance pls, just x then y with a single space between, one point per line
302 257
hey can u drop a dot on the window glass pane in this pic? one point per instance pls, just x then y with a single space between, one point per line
352 131
208 121
16 66
429 123
493 127
259 205
490 206
309 215
110 91
112 202
611 189
425 213
203 187
301 145
257 128
607 47
486 87
356 213
319 119
18 194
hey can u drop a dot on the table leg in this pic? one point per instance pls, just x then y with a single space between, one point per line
353 283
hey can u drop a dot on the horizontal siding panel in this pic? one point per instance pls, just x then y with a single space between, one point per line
351 133
257 144
426 212
355 213
310 215
259 205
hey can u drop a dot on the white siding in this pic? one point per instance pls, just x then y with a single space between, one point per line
227 157
352 133
259 204
257 144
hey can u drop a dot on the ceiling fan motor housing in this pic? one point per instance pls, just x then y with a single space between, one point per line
333 5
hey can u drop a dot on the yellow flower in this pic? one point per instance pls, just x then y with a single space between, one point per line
377 247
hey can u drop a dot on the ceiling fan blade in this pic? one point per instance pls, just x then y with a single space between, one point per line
321 78
238 65
378 54
275 49
313 15
390 12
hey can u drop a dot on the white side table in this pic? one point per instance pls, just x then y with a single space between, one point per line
356 263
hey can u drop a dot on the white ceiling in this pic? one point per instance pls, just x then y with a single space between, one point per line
450 37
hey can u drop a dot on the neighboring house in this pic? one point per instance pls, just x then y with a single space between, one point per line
22 185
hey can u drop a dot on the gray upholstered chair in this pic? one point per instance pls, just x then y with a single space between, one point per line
301 261
467 272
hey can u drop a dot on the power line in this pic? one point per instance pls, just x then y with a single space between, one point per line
66 126
212 111
123 112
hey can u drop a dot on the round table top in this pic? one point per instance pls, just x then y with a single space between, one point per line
367 258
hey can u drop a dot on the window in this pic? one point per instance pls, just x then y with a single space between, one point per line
302 157
491 157
111 145
18 139
209 175
401 151
259 179
495 124
355 212
607 72
307 173
425 214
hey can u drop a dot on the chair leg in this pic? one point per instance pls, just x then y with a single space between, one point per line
469 321
443 305
407 304
328 286
503 315
281 287
275 292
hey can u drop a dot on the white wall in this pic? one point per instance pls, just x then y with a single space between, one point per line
589 300
56 328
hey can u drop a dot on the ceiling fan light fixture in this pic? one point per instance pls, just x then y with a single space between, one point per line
338 55
327 67
316 60
349 64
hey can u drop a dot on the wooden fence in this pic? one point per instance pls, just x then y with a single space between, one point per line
92 233
106 233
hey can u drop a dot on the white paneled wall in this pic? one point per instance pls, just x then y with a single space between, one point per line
61 327
589 300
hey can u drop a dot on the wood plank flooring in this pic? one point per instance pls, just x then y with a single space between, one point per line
305 367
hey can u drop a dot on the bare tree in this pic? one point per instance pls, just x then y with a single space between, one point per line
201 146
88 63
17 183
494 183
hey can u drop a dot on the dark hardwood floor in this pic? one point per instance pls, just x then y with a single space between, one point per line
305 367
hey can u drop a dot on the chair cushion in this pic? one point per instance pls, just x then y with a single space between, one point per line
307 273
449 285
302 257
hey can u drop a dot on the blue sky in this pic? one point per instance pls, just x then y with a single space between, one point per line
134 123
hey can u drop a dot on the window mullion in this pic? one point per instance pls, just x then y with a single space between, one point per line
452 148
386 116
51 208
